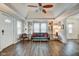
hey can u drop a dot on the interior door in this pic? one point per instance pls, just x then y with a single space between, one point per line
6 32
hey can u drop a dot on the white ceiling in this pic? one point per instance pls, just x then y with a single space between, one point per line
59 11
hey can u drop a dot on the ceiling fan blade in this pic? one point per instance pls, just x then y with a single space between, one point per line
40 4
44 11
47 6
31 6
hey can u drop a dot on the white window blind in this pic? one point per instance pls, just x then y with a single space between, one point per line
43 27
40 27
36 27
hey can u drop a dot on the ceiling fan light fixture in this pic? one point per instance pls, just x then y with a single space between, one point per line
41 7
47 6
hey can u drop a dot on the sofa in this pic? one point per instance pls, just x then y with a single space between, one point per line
40 37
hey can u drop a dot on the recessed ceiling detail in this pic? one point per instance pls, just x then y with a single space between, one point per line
58 11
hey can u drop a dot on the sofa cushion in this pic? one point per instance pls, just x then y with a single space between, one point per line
34 35
45 34
40 35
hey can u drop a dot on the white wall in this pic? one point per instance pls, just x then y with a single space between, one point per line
10 31
75 30
65 35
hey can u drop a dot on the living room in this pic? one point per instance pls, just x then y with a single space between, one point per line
39 29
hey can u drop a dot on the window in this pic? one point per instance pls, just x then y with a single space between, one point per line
70 28
19 27
36 27
43 27
40 27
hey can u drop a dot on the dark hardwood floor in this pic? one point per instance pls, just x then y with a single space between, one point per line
50 48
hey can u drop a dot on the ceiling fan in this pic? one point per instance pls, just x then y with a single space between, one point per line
41 7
